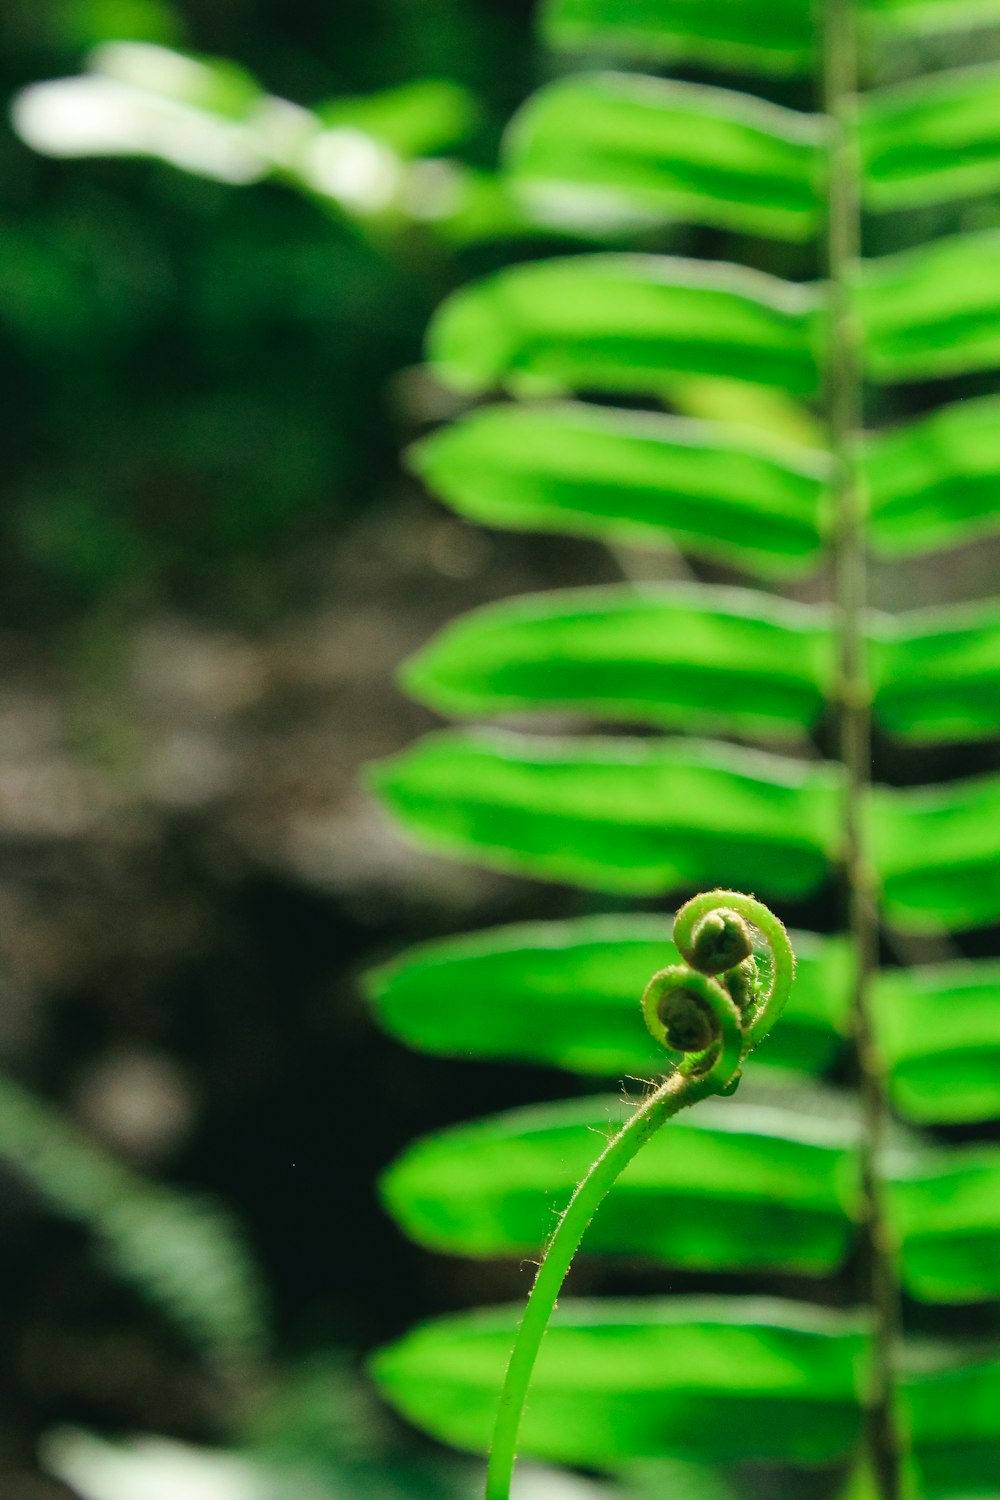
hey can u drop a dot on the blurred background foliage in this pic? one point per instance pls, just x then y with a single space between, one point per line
212 564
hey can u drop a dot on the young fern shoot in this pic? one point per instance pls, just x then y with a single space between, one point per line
710 1011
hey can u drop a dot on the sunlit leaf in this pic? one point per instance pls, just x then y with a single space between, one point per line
932 139
726 33
605 144
681 655
934 482
918 16
934 310
948 1219
936 848
413 120
728 1186
954 1414
715 1379
624 815
939 1029
637 477
938 672
567 994
624 323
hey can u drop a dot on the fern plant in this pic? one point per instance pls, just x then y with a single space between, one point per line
794 1180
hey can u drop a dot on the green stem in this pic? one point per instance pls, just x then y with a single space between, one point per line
845 411
674 1094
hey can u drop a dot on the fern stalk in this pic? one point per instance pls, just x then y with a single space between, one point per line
844 401
712 935
672 1096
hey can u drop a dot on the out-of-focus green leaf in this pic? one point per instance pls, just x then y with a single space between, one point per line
567 993
636 477
725 33
947 1216
684 655
416 119
625 323
719 398
937 672
939 1029
918 16
638 816
954 1414
736 1187
936 849
184 1254
607 144
715 1379
214 84
933 311
932 140
934 482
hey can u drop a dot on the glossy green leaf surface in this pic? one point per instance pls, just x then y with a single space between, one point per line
637 816
624 323
948 1219
934 482
936 849
937 672
567 994
933 311
603 144
932 139
705 1379
939 1029
635 477
679 655
728 34
727 1186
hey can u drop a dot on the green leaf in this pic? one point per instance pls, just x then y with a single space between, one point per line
413 120
954 1414
725 33
567 994
214 84
704 1379
634 477
939 1030
933 139
933 311
948 1218
638 816
930 16
936 848
624 323
185 1254
938 672
611 145
681 655
934 482
729 1186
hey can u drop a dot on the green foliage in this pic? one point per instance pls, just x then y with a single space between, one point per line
768 1185
185 1255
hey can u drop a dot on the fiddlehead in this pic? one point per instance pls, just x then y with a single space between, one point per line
710 1010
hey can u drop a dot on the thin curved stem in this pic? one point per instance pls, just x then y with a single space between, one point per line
674 1094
